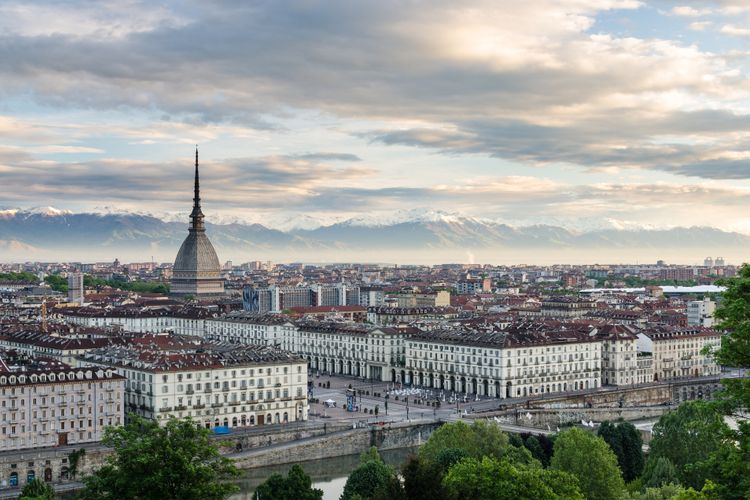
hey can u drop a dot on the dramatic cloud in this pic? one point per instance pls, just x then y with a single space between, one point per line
545 108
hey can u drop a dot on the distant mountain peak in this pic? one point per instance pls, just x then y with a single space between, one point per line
47 211
425 233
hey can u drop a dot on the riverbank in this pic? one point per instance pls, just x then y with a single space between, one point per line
341 443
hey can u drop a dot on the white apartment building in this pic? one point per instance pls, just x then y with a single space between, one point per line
143 320
390 353
57 405
249 328
59 347
356 350
678 352
371 297
619 354
215 384
701 312
499 364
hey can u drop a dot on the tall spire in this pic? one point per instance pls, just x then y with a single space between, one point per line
197 197
196 216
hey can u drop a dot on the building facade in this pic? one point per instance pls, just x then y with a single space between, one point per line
57 405
701 312
75 288
213 383
679 352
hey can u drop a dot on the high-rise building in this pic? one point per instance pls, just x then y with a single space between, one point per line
701 312
196 270
75 288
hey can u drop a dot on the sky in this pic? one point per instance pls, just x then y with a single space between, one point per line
615 113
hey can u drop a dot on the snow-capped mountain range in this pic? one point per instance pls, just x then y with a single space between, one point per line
56 234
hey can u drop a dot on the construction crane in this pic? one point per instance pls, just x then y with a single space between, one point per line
44 314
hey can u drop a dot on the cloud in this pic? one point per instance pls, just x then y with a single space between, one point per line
52 149
105 19
700 25
593 144
237 182
688 11
541 84
733 30
329 157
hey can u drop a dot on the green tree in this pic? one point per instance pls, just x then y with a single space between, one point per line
664 492
675 492
591 461
37 490
176 461
733 314
731 463
477 440
535 448
688 437
659 471
373 479
24 276
448 457
423 479
57 282
626 443
295 486
492 479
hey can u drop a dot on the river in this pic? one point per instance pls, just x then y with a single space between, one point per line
328 475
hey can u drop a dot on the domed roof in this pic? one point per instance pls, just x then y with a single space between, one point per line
196 269
197 255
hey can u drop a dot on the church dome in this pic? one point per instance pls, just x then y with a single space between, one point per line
197 255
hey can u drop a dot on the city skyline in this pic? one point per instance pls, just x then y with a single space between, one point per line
608 113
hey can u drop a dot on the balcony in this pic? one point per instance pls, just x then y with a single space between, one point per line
207 390
180 408
198 407
190 391
217 405
166 409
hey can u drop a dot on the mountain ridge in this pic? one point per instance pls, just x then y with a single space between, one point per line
49 230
